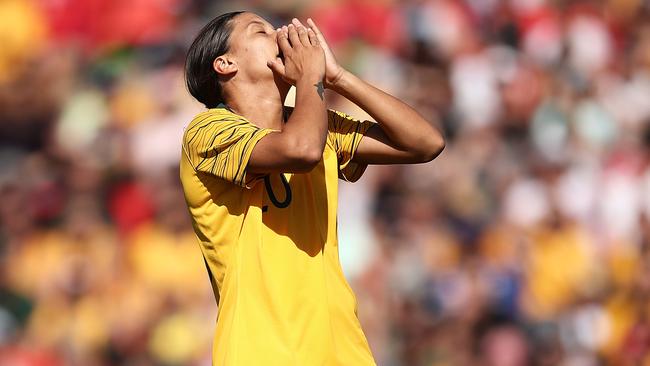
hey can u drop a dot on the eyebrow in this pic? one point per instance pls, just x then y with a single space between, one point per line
256 22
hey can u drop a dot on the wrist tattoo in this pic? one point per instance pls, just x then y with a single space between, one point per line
320 89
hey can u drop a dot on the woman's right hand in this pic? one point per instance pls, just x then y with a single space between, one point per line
304 59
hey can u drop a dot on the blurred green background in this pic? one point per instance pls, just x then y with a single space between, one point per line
527 242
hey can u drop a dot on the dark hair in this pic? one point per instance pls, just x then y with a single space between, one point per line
212 41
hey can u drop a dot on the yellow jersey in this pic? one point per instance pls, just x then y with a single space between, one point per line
270 245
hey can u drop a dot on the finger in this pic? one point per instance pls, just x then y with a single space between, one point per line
276 66
312 37
283 41
314 27
304 37
293 36
296 22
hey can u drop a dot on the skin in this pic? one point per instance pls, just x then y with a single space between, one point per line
255 83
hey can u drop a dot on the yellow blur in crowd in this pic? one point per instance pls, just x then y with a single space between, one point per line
527 240
23 32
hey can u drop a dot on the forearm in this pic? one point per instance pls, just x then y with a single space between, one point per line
307 126
406 128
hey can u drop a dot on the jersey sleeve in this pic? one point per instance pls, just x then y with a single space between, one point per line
345 134
222 145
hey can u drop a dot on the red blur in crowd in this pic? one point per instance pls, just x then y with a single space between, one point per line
104 23
20 356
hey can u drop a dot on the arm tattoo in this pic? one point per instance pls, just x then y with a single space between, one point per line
320 89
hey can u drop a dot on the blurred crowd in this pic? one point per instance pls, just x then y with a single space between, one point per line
527 242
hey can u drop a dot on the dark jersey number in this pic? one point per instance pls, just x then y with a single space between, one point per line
272 197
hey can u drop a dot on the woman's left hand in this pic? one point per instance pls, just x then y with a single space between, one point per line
333 70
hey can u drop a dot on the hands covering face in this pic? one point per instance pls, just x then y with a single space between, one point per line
302 49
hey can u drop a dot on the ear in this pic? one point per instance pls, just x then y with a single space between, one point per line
224 65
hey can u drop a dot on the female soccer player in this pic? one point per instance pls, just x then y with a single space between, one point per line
260 181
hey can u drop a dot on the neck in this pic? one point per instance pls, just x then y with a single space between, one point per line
261 103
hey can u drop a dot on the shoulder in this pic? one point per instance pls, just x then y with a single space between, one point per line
334 114
214 117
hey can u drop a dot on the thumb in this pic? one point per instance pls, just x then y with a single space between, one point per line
276 66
